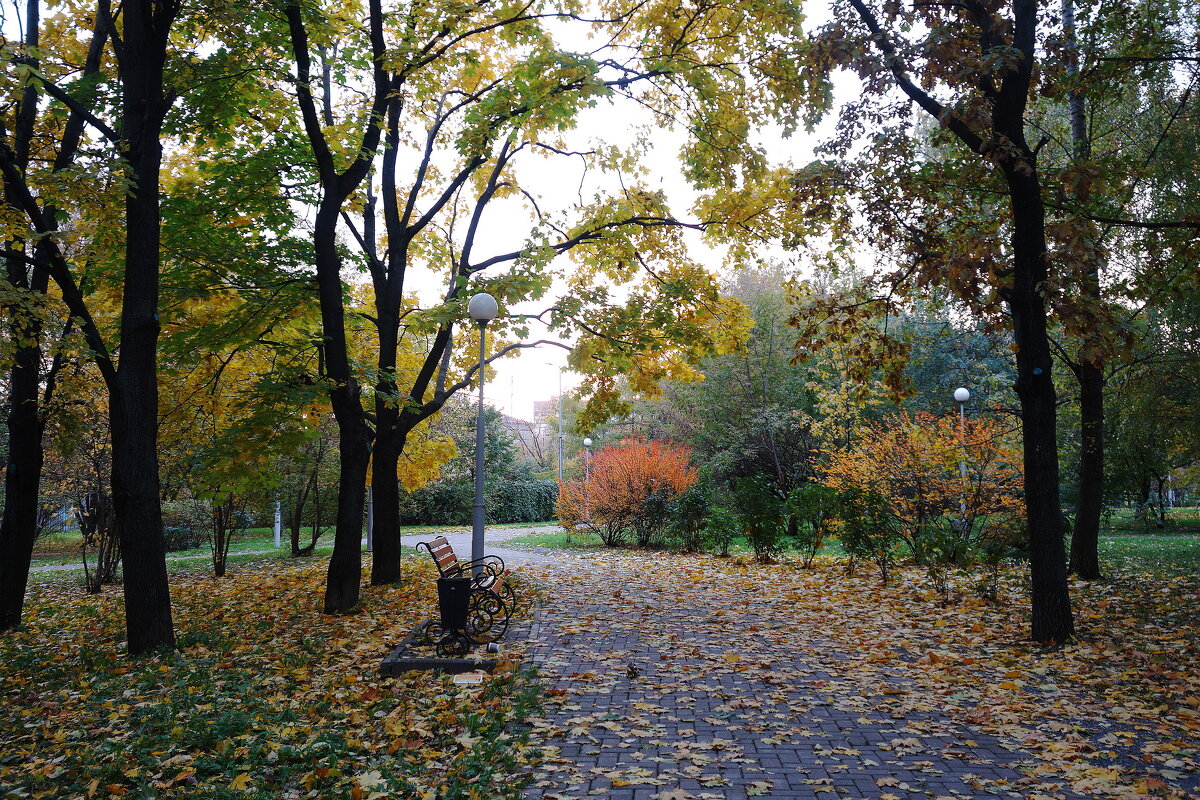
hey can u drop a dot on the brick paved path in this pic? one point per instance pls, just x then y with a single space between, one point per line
664 687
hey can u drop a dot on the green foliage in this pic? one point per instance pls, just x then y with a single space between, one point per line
185 524
689 516
521 501
763 515
720 530
814 506
866 532
505 501
652 516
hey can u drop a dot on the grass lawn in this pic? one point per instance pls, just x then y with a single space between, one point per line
1184 519
60 549
1165 554
266 696
1158 553
556 540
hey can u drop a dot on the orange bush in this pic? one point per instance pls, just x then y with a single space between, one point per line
912 465
628 487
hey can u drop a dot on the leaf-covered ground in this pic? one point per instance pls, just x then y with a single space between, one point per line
668 677
266 697
692 677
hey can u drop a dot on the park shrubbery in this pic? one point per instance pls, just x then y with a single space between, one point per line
898 493
451 502
628 492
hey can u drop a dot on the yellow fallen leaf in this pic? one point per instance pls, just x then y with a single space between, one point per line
673 794
241 783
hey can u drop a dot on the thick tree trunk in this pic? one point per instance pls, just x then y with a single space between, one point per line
1051 603
1085 539
389 442
18 526
345 565
23 470
134 403
354 445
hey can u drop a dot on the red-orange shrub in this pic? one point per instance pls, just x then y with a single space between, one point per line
628 489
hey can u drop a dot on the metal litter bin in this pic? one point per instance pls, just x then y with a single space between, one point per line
454 596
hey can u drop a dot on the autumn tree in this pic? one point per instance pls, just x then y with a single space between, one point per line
1123 210
140 39
626 490
970 70
118 92
467 100
939 484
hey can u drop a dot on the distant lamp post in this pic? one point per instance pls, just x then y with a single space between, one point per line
961 396
587 482
558 449
483 309
560 428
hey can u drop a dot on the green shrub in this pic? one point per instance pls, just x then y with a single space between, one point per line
688 517
721 529
867 532
651 518
520 501
453 502
815 506
185 524
763 515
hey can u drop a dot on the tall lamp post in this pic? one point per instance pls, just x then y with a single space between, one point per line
560 430
559 445
483 309
587 478
961 396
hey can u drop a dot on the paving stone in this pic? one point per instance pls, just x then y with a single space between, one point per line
644 686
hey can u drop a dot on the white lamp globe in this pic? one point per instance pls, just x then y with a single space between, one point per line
587 442
962 394
483 307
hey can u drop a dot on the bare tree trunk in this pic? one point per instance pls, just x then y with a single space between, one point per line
23 470
134 403
1089 370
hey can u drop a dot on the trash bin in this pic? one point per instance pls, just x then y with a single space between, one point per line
454 595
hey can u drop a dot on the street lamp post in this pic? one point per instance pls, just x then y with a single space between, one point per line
559 445
587 478
560 428
483 309
961 396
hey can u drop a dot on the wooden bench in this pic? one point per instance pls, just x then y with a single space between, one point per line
492 598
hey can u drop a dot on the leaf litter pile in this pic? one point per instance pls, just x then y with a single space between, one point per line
670 676
677 677
265 697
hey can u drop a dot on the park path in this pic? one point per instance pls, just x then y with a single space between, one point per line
664 684
461 541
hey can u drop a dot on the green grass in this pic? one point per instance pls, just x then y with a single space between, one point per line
62 549
1178 520
586 541
556 540
1173 554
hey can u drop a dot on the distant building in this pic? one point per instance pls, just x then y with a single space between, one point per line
543 409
